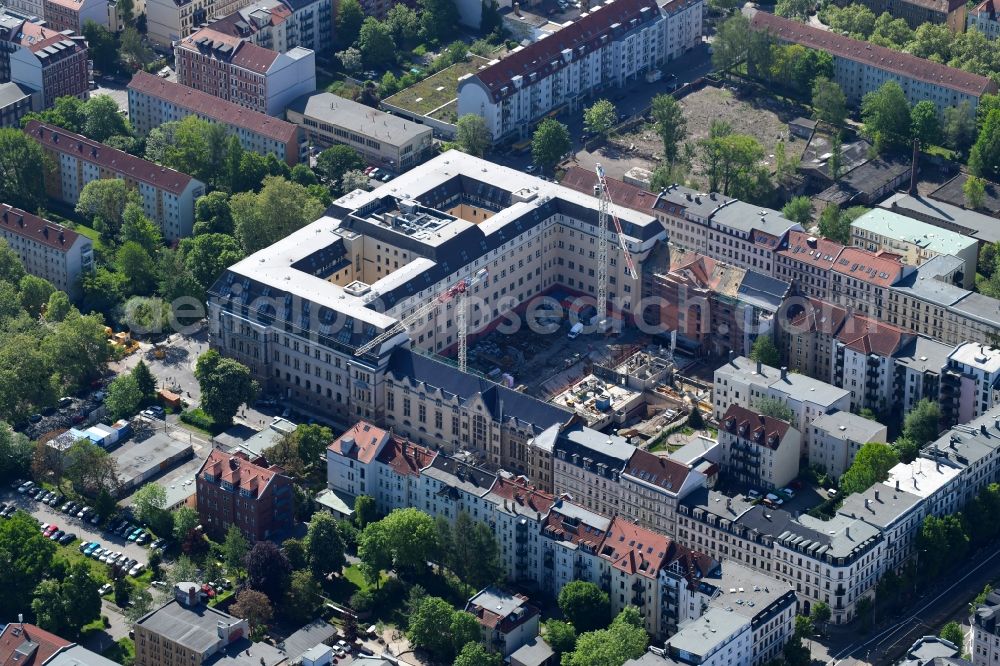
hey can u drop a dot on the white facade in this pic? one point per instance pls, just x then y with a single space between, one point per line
47 250
972 380
718 638
836 439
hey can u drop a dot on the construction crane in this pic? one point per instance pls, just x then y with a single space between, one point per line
457 293
604 197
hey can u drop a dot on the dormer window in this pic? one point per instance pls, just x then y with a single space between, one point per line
226 485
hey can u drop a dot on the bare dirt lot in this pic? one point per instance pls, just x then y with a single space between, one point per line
760 116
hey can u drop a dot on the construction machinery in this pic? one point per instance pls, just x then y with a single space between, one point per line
457 293
604 197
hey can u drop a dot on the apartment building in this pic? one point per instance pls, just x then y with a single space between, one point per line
15 103
837 438
167 196
917 12
898 513
48 250
744 382
860 280
508 621
249 493
73 14
758 450
170 21
651 487
238 71
717 638
970 382
861 67
587 466
915 241
377 256
986 631
382 139
919 366
984 18
153 101
28 645
863 362
184 630
281 25
715 307
807 262
613 44
806 336
48 62
746 235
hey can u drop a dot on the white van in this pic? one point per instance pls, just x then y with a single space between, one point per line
575 331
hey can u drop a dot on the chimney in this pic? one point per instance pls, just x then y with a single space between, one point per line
760 368
784 372
867 503
847 531
914 167
876 494
982 428
732 355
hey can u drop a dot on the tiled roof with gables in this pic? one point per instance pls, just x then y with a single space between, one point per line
866 335
28 645
819 316
660 471
521 497
24 224
361 442
882 269
239 470
751 426
810 249
404 457
622 193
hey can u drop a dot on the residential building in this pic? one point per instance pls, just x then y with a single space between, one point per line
186 631
382 139
744 382
934 651
863 362
651 487
717 638
758 450
916 241
807 261
587 466
917 12
932 479
861 67
807 336
837 437
983 17
534 653
170 21
945 215
48 250
376 256
507 620
167 196
898 513
153 101
248 493
746 235
28 645
970 384
860 280
612 44
73 14
519 511
919 366
281 25
50 63
986 631
15 103
238 71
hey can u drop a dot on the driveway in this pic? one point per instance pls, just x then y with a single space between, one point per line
175 371
85 531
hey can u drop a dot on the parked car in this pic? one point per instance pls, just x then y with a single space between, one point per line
10 511
25 487
55 536
105 589
143 539
788 492
67 507
137 570
95 519
754 494
207 589
67 539
84 546
160 584
158 543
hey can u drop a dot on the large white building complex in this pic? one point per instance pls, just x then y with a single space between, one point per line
617 42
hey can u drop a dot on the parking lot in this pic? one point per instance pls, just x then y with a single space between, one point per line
84 531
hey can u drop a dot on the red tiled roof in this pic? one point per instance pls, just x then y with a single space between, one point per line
59 140
657 470
622 193
820 317
636 550
871 336
404 457
15 635
523 495
360 442
544 57
212 107
808 249
875 56
254 58
239 470
988 7
560 526
879 269
36 37
748 424
22 223
240 53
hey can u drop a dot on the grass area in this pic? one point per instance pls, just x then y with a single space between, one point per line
201 421
437 90
71 555
122 652
221 598
940 151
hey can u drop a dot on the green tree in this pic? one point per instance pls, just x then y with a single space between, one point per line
670 125
234 548
550 142
775 408
80 346
471 134
600 117
438 18
732 161
102 120
974 189
922 423
58 307
891 32
22 170
212 214
905 448
27 556
185 520
80 600
835 161
102 49
350 60
303 175
133 52
854 20
208 255
940 542
15 454
732 39
268 570
799 209
585 605
254 607
952 632
353 180
137 267
324 546
225 384
430 626
304 597
139 229
828 101
337 160
364 511
959 127
280 208
91 469
350 16
871 465
561 636
11 269
886 116
34 294
984 159
765 351
197 147
375 43
404 23
474 654
295 553
625 639
374 553
832 225
794 9
48 607
820 614
144 378
925 124
103 203
465 630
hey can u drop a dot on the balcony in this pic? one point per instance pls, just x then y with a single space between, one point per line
637 586
638 599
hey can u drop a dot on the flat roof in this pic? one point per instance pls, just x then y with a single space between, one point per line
137 460
976 355
194 627
983 227
879 505
745 591
847 425
794 385
11 92
338 111
715 627
922 477
908 230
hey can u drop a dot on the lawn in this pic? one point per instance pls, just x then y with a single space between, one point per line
435 91
122 652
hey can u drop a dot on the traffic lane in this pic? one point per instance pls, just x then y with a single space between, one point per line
83 530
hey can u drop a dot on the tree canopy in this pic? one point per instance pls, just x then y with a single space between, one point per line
585 605
871 465
225 384
550 142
